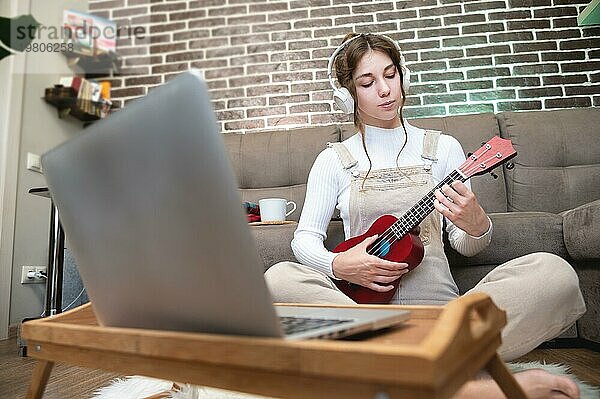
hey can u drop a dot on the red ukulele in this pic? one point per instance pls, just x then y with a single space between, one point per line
396 242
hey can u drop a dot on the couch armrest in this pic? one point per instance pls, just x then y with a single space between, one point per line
581 229
516 234
273 243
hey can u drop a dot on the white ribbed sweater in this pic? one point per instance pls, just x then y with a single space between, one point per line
328 188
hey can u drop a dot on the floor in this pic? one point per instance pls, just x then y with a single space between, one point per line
65 381
74 382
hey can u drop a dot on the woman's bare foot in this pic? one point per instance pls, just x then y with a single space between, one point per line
537 384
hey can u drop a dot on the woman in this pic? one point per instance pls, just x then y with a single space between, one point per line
385 169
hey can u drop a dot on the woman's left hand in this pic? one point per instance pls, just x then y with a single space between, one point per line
459 205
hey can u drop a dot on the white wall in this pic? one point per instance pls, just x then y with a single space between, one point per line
40 130
8 180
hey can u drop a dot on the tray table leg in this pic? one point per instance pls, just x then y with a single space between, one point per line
504 378
39 379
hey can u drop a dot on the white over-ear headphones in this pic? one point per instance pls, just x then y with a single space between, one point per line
341 95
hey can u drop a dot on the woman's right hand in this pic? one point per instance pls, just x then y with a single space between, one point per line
357 266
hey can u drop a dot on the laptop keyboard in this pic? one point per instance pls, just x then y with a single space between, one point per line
294 325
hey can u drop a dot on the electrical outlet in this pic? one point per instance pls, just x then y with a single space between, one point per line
33 269
34 163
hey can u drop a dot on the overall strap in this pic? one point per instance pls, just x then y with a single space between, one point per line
344 155
430 145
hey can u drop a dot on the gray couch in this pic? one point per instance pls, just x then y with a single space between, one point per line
549 201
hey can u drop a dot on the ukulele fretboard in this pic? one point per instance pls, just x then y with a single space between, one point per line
415 215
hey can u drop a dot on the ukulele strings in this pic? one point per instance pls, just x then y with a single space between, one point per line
384 240
390 236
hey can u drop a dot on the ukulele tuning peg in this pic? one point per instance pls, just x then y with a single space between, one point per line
510 165
495 176
469 154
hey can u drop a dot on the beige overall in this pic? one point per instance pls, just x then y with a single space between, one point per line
550 302
431 282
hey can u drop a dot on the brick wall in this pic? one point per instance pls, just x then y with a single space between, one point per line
265 61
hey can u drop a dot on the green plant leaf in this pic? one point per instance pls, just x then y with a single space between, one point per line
17 33
4 53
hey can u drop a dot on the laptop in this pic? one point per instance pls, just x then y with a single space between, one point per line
149 203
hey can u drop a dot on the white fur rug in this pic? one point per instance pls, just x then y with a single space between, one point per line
137 387
586 391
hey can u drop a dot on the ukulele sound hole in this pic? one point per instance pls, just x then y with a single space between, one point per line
382 248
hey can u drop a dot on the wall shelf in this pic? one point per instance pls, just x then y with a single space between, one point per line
69 106
67 103
65 99
94 66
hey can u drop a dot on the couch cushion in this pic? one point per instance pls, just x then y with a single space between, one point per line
468 277
273 243
558 162
581 229
347 130
589 281
516 234
277 158
277 163
471 131
335 234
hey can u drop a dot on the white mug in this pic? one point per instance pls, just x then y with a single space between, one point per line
275 209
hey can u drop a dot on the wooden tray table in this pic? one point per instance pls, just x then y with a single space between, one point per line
430 356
